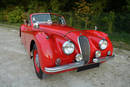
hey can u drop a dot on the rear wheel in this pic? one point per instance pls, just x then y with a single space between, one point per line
39 73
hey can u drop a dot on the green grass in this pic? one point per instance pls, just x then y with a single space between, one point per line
120 40
124 37
10 25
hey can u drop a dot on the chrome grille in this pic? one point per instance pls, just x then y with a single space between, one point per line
84 47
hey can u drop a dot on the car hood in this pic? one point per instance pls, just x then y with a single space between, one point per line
70 32
56 28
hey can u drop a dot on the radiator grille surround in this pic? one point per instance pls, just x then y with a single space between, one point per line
84 47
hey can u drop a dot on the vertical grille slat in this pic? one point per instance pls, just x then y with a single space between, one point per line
84 47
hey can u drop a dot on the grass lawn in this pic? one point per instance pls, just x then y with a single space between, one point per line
120 40
11 25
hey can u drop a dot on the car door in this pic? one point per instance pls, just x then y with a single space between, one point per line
27 32
22 33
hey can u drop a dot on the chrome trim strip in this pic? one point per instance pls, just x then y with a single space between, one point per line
103 59
79 46
64 67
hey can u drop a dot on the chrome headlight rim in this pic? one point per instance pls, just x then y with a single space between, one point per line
79 57
68 47
103 44
98 54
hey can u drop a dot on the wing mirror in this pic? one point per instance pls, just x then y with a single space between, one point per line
25 22
36 25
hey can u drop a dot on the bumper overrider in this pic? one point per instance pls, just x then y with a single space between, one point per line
76 65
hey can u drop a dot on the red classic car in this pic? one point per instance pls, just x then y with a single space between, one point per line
56 47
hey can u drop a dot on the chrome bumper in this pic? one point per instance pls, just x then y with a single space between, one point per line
98 60
74 65
64 67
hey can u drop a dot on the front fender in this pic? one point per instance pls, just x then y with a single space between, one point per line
50 48
46 50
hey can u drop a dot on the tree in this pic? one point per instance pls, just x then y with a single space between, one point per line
83 11
128 5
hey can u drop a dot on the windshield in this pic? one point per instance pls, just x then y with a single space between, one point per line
47 18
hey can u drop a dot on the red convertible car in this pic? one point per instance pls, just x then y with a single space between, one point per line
56 47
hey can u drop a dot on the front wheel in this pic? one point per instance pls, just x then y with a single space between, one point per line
20 32
39 73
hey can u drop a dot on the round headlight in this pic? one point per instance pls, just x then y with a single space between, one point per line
109 53
68 47
103 44
78 57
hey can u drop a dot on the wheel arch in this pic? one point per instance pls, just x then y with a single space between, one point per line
20 31
31 48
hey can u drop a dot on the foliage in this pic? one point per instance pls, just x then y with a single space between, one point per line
16 15
124 37
108 15
35 6
128 5
83 11
109 20
54 5
122 23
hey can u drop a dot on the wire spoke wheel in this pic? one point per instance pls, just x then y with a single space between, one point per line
36 60
39 73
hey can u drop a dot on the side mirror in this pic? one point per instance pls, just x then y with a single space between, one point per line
96 27
25 22
36 25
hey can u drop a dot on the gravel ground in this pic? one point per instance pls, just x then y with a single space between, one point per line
16 68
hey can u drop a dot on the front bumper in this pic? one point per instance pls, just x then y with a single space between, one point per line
74 65
98 60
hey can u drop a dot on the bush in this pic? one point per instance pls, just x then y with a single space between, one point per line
16 15
3 17
116 36
35 7
73 20
122 23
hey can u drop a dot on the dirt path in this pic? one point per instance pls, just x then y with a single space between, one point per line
16 69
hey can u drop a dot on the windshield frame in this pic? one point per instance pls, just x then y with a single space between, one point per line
50 17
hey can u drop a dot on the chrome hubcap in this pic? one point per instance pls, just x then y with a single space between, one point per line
37 60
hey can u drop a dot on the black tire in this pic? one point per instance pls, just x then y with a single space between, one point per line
40 74
20 32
